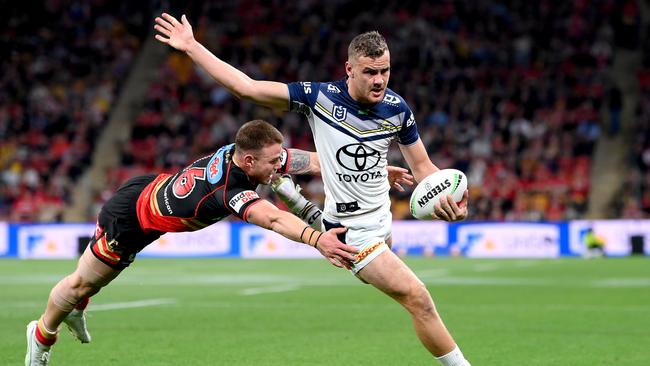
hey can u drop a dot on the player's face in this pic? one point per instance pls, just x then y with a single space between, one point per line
368 78
266 163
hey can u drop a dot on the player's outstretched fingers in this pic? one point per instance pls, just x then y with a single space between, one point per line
170 19
162 30
163 23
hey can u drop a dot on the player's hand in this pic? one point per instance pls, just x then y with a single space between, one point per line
447 209
398 176
337 253
174 33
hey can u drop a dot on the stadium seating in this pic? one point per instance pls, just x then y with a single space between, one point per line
509 92
62 65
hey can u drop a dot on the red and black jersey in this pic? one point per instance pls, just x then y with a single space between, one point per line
201 194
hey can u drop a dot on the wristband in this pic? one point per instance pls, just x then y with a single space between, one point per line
303 232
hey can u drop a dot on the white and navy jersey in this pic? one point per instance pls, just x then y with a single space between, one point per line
352 141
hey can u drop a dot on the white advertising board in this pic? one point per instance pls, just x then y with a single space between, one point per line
212 241
615 234
51 241
507 240
255 242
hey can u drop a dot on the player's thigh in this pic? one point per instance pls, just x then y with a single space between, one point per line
91 272
390 274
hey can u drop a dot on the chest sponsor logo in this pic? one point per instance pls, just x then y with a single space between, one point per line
361 159
237 202
357 157
339 113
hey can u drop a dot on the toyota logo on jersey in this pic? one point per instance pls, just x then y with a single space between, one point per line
358 157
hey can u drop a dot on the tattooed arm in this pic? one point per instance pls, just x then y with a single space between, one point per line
303 162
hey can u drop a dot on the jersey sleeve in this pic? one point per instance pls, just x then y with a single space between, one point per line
302 96
408 134
240 199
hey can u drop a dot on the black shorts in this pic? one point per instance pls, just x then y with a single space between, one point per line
118 236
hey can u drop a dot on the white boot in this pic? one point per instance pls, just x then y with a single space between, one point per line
37 354
76 322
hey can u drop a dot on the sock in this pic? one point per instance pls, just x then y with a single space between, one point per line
453 358
82 304
43 335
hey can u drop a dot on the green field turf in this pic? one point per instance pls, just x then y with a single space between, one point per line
306 312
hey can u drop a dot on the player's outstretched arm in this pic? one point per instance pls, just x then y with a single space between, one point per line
266 215
418 160
180 36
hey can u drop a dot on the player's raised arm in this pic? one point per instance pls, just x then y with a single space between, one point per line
180 36
266 215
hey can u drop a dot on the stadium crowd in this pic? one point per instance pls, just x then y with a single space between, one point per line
62 65
509 92
635 194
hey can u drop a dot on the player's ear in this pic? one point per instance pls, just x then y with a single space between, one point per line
348 69
248 160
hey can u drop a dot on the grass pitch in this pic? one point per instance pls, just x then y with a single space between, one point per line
306 312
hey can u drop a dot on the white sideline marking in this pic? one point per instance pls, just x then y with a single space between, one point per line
269 290
486 267
130 304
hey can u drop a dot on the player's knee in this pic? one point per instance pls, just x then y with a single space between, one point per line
419 300
82 287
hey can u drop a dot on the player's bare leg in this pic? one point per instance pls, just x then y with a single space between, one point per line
89 277
390 275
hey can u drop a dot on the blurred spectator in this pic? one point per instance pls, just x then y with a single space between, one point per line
508 92
62 64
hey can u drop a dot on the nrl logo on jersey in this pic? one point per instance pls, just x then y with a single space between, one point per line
391 99
333 88
339 113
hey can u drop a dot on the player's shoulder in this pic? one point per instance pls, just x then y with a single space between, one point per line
394 100
332 88
217 163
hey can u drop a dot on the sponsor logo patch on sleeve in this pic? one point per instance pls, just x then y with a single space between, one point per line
283 158
241 199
